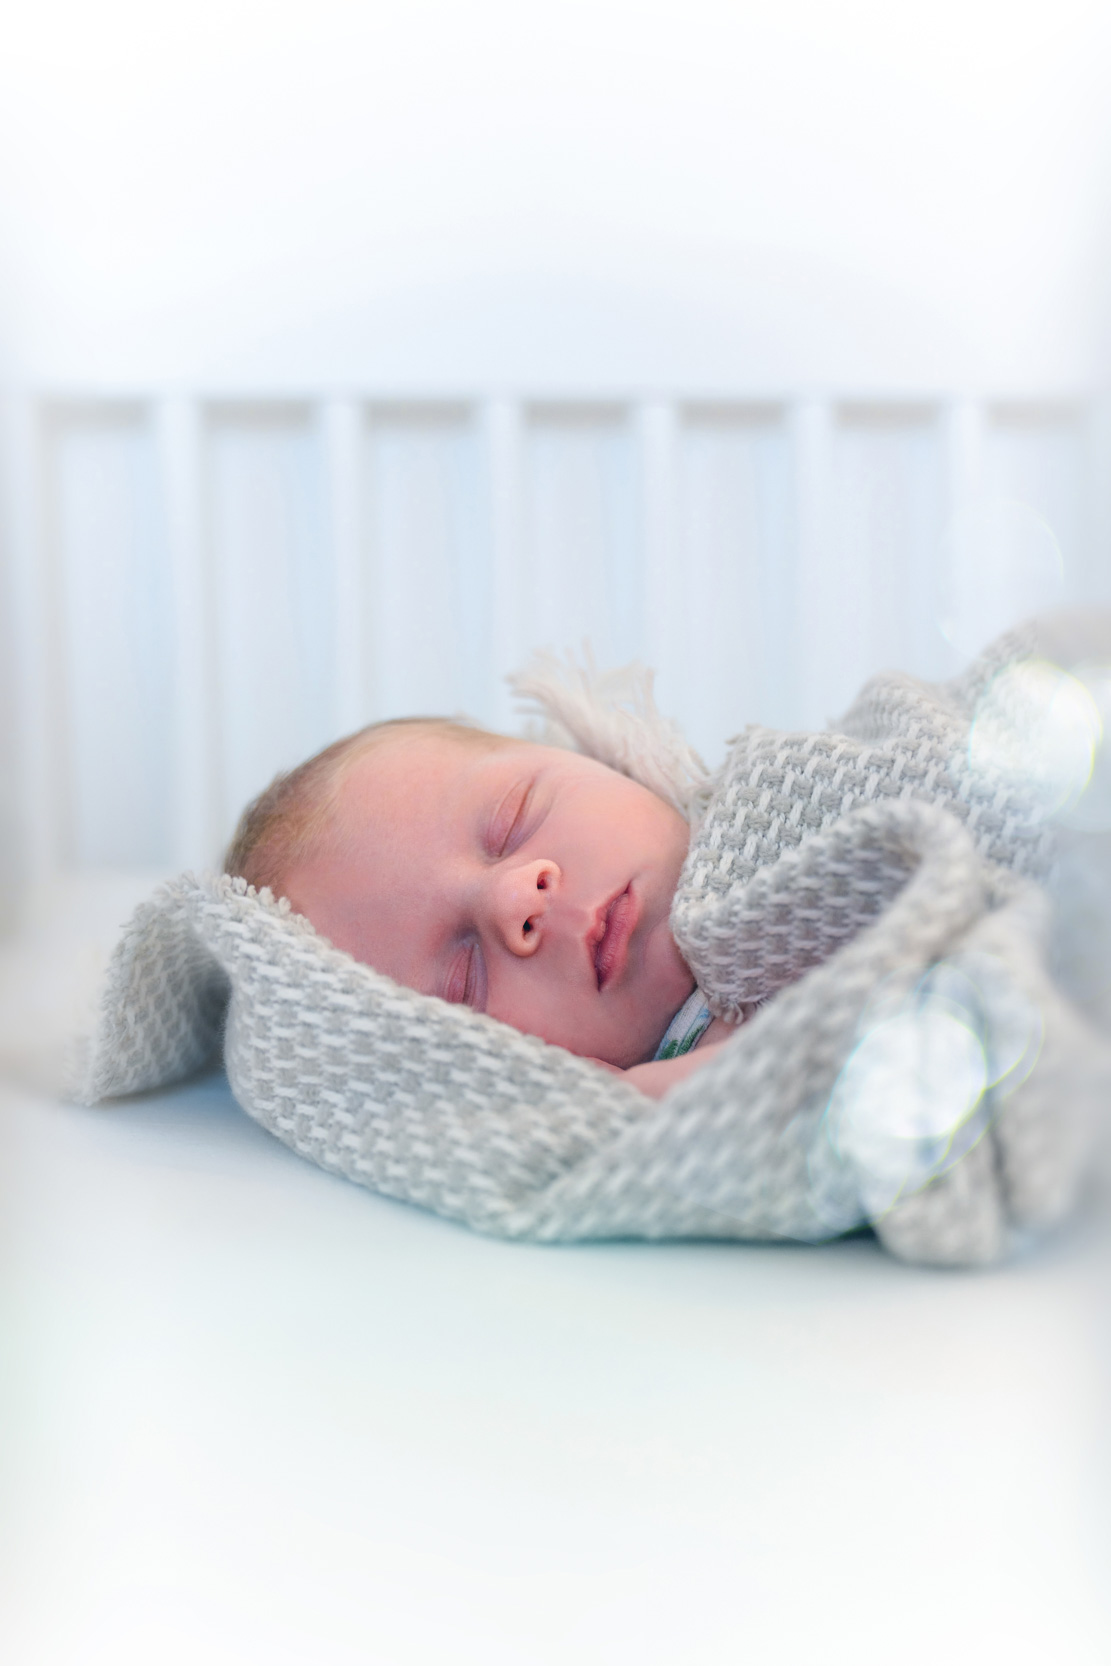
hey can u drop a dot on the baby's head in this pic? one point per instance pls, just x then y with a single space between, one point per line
527 881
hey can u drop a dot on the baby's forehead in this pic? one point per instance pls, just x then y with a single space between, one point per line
386 749
415 766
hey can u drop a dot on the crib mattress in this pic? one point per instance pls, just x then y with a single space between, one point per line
253 1413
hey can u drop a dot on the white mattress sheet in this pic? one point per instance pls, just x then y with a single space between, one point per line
252 1413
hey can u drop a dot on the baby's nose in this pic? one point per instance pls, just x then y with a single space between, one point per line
522 900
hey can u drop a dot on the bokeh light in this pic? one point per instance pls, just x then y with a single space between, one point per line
920 1087
1037 729
1090 810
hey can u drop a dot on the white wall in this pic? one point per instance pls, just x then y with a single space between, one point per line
601 191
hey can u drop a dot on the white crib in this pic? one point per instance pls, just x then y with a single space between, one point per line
201 590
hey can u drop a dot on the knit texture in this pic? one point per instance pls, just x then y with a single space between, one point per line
763 895
916 1067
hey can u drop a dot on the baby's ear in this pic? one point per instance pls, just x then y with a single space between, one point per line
612 716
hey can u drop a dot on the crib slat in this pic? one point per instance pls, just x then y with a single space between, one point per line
665 598
341 422
33 818
1097 526
501 422
819 587
196 833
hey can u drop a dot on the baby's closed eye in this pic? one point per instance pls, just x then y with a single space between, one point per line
512 820
465 984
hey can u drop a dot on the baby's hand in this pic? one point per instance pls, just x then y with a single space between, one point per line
655 1077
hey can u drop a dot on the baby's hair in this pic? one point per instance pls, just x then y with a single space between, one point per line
290 818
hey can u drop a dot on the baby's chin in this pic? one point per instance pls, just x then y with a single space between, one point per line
670 984
627 1034
635 1041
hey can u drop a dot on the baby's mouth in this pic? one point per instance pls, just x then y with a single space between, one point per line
612 945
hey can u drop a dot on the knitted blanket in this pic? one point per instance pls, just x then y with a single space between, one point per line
916 1068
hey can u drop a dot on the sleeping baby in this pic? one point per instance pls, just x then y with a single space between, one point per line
525 881
530 934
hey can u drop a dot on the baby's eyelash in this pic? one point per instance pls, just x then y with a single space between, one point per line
509 819
466 981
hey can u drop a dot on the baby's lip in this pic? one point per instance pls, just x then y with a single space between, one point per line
608 938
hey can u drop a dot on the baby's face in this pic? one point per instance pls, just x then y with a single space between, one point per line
528 882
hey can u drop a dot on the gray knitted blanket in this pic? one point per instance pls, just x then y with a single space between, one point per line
916 1068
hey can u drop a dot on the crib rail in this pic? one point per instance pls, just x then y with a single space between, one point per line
199 591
